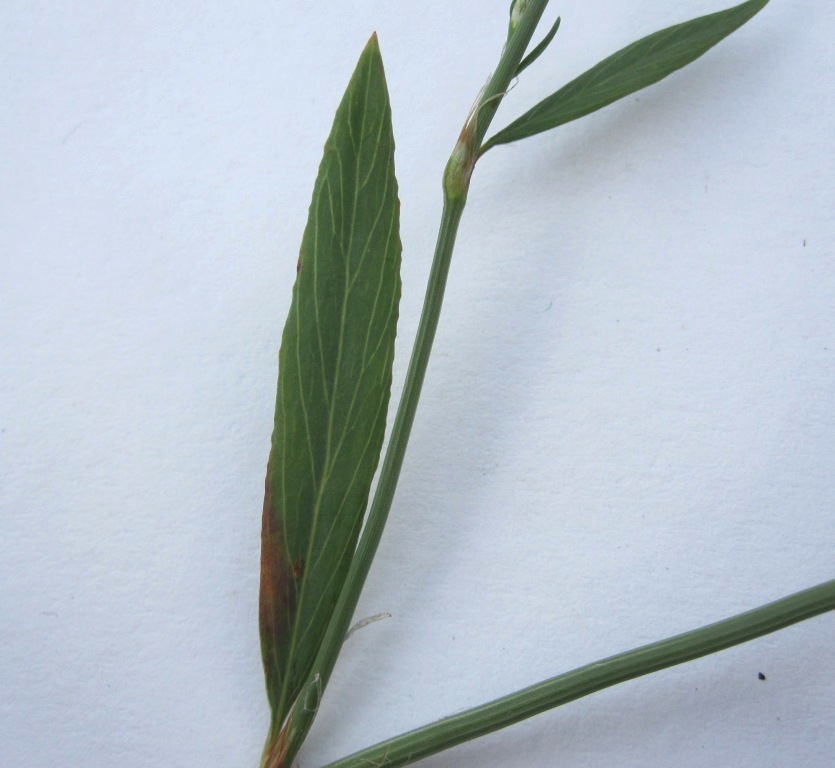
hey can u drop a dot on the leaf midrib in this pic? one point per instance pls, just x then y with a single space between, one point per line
329 458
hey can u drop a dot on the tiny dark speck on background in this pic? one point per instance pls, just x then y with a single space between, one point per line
760 675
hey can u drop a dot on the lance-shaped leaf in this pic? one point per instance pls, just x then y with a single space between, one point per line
333 385
638 65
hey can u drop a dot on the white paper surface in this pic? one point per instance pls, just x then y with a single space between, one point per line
627 425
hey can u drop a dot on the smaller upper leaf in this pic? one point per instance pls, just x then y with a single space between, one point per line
638 65
539 50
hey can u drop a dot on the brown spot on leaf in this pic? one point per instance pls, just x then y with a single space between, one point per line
278 587
298 568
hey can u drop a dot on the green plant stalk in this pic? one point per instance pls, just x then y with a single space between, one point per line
443 734
456 186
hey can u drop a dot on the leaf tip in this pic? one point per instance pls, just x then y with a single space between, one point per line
372 48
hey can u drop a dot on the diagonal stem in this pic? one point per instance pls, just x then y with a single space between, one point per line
443 734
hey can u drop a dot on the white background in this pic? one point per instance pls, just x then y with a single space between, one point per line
626 430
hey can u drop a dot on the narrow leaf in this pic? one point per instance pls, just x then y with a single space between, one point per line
333 387
539 50
638 65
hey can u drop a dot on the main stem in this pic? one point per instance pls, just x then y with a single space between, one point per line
456 186
443 734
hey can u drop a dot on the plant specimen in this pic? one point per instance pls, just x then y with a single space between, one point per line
319 534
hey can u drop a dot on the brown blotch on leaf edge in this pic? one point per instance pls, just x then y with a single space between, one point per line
278 586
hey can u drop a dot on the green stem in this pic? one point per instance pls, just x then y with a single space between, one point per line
443 734
455 197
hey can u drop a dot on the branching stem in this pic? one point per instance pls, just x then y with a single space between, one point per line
450 731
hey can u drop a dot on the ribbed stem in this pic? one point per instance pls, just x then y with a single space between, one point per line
443 734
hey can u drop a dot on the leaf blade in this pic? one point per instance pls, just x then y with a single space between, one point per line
334 380
539 49
630 69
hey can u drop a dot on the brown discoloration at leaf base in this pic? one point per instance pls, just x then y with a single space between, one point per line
277 600
275 753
